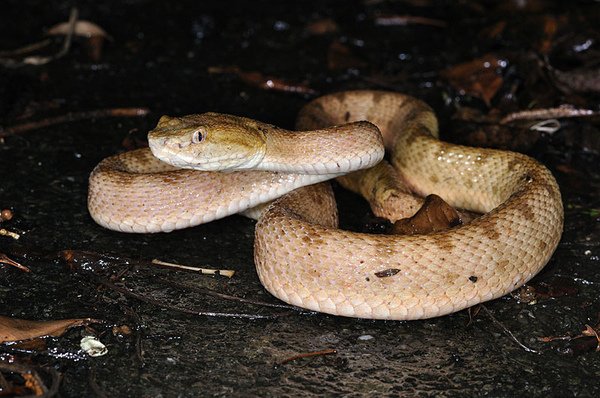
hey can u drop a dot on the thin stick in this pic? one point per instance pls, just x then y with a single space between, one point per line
26 49
549 113
39 60
4 259
73 16
204 271
161 304
508 332
6 232
328 351
403 20
73 117
226 296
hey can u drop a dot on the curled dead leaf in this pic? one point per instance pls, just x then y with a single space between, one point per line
14 329
94 34
339 56
434 216
479 78
82 28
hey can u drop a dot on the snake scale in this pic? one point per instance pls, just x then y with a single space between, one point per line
300 254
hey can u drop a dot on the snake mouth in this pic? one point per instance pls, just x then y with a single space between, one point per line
172 154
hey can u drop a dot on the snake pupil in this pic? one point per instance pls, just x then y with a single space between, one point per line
197 136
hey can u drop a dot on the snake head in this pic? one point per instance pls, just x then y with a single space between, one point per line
209 142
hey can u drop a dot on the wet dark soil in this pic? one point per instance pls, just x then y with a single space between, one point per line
159 57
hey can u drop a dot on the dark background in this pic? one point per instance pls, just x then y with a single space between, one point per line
159 57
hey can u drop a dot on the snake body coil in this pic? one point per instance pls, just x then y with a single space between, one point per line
301 256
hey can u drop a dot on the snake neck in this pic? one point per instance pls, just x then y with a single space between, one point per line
336 150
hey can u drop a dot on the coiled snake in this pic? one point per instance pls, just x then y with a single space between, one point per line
301 256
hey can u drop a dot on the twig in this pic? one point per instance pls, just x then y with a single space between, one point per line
26 49
508 332
72 117
4 259
10 234
39 60
258 79
328 351
403 20
226 296
563 111
204 271
161 304
139 350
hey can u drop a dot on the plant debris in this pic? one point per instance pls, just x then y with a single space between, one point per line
435 215
4 259
72 117
403 20
258 79
587 341
14 329
340 57
480 77
204 271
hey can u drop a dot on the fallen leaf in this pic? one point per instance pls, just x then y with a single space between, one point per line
339 57
435 215
94 34
13 329
258 79
550 29
479 78
495 31
82 28
582 345
322 26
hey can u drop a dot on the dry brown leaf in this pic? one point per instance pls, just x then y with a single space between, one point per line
262 81
322 26
479 78
82 28
14 329
435 215
339 57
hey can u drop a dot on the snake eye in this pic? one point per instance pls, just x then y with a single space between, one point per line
198 136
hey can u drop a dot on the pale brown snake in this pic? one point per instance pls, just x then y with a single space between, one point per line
301 256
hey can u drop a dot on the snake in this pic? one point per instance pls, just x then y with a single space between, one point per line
383 145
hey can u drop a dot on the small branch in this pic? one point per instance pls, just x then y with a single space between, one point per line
508 332
26 49
39 60
72 117
10 234
204 271
258 79
161 304
563 111
403 20
328 351
4 259
226 296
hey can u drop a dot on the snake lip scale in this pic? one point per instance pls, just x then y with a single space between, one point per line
301 255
